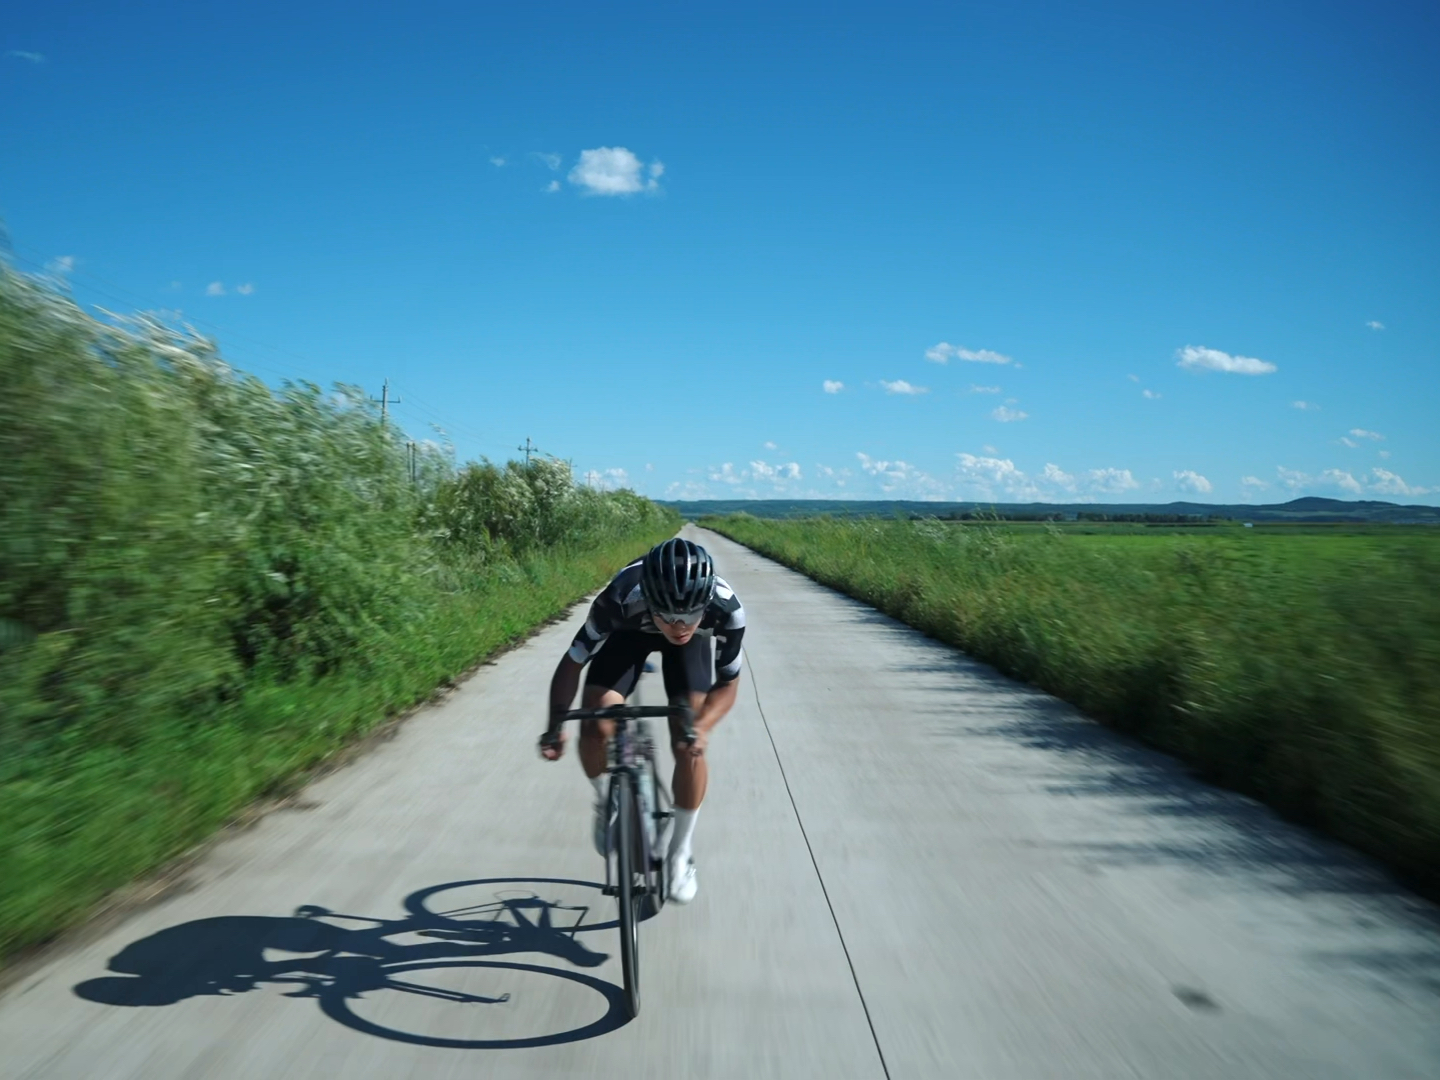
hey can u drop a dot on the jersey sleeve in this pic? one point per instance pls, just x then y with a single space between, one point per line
605 616
729 634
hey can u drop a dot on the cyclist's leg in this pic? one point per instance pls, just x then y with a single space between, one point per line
610 680
689 673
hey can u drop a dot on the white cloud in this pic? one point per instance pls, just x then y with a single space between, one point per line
21 54
1341 479
833 386
1151 394
775 473
988 477
769 445
989 449
900 477
1053 474
215 288
1112 481
1254 482
944 352
498 162
1307 406
1348 442
1196 357
614 170
760 472
246 289
997 478
649 467
1007 415
1373 325
900 386
63 265
726 474
552 187
607 479
984 389
1387 483
1380 482
1189 480
1133 378
690 489
1293 479
1361 433
550 161
1384 453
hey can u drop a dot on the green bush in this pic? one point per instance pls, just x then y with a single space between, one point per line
1304 670
206 585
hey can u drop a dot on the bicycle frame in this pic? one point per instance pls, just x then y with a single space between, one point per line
631 752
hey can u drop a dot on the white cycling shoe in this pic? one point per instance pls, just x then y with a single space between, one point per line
684 883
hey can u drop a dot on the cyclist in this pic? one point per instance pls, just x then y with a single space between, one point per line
670 601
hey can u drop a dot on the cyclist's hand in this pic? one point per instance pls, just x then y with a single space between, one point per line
552 745
692 749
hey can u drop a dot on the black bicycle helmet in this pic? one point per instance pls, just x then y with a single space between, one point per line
678 577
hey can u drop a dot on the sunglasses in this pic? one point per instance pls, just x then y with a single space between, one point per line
688 618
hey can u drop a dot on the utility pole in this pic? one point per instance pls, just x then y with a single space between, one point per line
414 464
385 399
529 448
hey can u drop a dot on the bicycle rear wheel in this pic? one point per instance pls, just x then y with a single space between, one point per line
627 853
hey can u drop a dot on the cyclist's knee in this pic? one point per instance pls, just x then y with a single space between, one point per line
597 697
591 730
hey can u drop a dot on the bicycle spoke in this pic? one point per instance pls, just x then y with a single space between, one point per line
441 993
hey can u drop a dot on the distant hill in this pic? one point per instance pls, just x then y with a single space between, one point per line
1310 508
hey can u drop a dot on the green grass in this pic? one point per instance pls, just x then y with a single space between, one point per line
208 585
1299 666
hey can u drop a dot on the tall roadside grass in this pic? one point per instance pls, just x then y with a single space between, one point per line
1304 670
207 586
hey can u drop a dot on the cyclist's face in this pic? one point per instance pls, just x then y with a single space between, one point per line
678 632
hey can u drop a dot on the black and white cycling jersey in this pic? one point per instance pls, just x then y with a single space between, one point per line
622 606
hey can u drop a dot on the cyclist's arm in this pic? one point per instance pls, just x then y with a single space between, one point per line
729 658
719 701
563 686
603 618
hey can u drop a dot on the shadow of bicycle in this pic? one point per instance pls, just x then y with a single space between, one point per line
426 978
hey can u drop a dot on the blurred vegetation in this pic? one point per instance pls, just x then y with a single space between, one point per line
207 585
1303 669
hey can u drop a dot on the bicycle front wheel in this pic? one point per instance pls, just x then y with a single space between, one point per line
627 849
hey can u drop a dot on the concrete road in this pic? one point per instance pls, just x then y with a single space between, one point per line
910 867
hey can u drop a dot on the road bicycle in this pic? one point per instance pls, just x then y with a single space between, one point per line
637 809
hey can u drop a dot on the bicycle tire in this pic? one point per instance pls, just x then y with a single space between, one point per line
626 846
656 880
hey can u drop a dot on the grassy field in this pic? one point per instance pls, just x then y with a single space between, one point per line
208 585
1298 664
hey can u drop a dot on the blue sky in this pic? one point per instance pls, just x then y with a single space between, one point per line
1108 251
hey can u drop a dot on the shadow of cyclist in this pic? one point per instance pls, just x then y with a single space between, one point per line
228 954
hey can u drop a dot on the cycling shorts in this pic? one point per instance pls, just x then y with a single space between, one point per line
687 668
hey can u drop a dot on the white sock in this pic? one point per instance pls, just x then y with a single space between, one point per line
601 787
684 829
